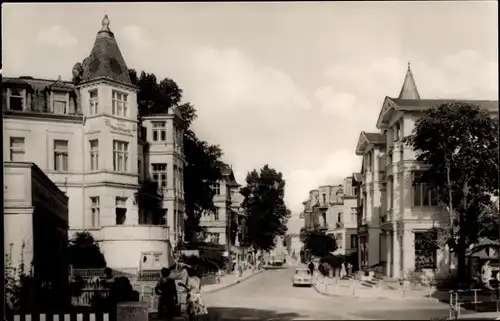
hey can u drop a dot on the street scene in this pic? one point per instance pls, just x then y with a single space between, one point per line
251 161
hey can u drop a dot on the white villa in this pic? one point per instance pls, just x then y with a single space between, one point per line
394 211
86 136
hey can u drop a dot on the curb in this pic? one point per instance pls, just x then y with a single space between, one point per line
372 297
238 281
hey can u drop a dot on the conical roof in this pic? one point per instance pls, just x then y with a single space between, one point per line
105 59
409 89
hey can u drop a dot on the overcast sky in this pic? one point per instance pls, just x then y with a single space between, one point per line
288 84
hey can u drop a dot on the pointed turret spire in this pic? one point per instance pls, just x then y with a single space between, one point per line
105 59
409 89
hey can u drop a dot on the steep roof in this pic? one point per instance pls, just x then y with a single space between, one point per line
409 89
105 59
423 104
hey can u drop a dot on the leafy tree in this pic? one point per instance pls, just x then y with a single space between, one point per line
202 167
459 143
319 244
84 252
265 208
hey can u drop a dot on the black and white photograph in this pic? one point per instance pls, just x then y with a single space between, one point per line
212 161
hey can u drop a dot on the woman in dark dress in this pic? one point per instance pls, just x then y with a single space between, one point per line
167 290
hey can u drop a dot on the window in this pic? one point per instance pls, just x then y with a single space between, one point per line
396 132
157 257
119 106
354 241
59 103
16 99
339 240
94 211
339 217
93 102
422 194
216 188
214 238
17 149
120 156
61 155
324 198
176 191
216 214
159 131
121 210
94 155
354 214
401 153
425 250
160 174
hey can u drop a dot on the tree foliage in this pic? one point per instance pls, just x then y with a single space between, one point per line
84 252
318 243
459 143
202 167
265 208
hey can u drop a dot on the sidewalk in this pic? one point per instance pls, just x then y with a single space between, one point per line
229 280
351 288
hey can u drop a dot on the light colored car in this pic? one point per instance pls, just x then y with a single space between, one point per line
302 276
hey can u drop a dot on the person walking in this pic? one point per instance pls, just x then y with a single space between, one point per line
311 267
167 290
196 307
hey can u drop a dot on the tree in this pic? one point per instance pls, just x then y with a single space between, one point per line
319 244
202 167
84 252
458 142
265 208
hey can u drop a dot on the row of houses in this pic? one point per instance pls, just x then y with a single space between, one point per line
77 157
380 212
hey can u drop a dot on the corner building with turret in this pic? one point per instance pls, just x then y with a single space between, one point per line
87 138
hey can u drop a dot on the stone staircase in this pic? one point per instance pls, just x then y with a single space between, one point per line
372 282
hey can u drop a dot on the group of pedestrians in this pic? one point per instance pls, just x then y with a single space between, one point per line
169 305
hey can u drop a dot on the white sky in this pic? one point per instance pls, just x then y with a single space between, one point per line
288 84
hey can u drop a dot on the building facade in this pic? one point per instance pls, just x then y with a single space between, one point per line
332 210
227 200
395 211
343 217
87 138
36 227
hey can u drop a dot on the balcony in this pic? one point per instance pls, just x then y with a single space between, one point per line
135 232
213 223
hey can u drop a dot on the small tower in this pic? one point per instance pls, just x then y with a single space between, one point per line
409 89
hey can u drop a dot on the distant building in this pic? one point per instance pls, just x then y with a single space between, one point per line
342 217
87 138
395 211
332 209
227 201
36 226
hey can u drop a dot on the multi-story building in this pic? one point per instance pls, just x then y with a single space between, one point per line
332 209
342 217
87 138
227 200
395 211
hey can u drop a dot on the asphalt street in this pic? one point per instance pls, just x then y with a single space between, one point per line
270 295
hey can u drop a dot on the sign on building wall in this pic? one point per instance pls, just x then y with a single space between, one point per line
121 126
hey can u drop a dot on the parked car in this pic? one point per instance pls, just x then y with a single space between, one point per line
302 277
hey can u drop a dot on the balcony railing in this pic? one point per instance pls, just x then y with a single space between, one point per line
135 232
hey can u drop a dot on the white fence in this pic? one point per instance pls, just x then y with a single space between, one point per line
64 317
